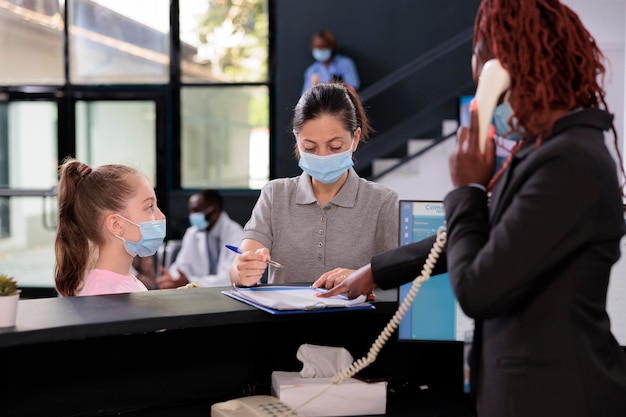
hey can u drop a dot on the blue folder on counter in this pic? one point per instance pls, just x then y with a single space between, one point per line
285 299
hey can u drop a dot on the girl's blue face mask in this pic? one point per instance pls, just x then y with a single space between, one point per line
327 168
152 235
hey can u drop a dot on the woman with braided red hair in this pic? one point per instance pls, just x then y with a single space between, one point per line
529 251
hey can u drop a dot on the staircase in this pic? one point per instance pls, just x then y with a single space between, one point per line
424 178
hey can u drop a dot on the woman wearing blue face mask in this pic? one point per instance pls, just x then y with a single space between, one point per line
107 216
329 65
327 221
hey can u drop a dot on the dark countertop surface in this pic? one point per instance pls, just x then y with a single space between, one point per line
67 318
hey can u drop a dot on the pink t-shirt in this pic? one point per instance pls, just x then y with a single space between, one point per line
102 281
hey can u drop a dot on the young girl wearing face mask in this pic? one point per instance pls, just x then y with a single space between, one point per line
107 216
327 221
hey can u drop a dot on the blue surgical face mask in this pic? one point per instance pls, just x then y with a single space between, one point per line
152 235
199 220
322 55
328 168
500 122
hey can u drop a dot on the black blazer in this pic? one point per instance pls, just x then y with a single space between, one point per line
531 266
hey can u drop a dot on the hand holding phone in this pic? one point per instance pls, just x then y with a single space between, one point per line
492 82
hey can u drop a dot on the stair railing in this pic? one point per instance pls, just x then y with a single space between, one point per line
392 139
417 64
411 157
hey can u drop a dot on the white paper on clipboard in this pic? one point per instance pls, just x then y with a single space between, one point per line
295 298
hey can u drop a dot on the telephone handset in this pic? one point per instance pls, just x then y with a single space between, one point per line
269 406
253 406
492 82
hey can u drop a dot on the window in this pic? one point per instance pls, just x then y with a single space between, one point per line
187 104
30 36
224 41
224 137
119 41
117 132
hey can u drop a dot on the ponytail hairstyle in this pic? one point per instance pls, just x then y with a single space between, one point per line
554 62
336 99
85 196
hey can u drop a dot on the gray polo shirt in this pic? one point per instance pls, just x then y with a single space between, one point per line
361 221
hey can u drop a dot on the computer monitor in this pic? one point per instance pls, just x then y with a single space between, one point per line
434 315
464 110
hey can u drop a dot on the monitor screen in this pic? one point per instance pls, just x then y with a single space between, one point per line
434 314
464 110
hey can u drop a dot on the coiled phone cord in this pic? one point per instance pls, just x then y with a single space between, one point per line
394 322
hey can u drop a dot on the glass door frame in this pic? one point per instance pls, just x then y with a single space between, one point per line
163 146
66 123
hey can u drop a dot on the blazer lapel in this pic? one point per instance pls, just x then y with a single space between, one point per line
502 193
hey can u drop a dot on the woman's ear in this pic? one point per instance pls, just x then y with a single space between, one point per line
357 138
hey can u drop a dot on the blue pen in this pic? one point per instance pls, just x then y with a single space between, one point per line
236 249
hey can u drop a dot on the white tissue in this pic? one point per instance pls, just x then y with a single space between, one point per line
322 361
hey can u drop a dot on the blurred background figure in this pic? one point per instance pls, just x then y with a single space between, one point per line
329 65
145 270
203 259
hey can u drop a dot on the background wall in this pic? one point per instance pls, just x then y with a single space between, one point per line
605 20
381 36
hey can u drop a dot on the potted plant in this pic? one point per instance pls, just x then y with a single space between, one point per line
9 297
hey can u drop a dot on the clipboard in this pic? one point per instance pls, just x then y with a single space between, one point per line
285 299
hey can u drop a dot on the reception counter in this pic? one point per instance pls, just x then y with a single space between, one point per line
176 352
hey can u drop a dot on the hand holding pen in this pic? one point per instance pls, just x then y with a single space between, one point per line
239 251
250 265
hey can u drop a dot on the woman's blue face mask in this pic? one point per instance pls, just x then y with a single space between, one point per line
322 55
500 121
327 168
152 235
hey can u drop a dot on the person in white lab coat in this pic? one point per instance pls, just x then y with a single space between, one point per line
203 258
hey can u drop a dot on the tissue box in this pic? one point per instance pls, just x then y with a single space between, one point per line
351 397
